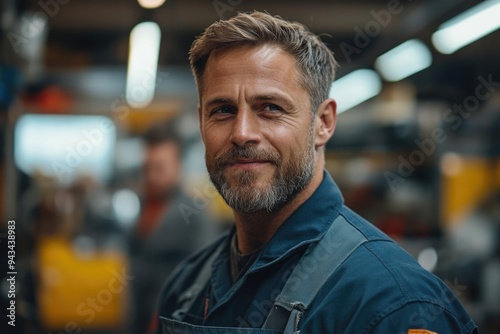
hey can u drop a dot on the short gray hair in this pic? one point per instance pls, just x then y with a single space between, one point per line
314 58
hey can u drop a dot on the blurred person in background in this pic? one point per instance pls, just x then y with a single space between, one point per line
163 236
297 260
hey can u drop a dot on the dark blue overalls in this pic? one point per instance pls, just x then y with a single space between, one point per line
326 256
325 270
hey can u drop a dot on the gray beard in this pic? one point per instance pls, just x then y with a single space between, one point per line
287 182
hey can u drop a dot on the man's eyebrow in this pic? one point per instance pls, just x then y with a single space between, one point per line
279 98
219 100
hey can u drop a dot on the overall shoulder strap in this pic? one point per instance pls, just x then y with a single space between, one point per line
319 262
188 297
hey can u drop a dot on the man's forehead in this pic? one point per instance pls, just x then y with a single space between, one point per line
263 55
265 61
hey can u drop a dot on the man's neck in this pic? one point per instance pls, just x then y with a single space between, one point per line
254 230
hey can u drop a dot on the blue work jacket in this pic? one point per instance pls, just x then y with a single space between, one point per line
379 288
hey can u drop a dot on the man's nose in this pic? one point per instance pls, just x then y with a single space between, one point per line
246 128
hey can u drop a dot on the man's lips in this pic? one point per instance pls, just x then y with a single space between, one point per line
247 162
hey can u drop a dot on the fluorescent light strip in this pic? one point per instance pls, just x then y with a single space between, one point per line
142 64
467 27
404 60
355 88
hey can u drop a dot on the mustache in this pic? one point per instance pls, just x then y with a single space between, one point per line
246 152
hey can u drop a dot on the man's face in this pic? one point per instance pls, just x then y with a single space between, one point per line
161 170
256 123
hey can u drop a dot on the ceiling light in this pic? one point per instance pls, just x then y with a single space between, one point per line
150 4
467 27
404 60
142 64
355 88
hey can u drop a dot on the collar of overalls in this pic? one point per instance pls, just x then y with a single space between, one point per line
306 225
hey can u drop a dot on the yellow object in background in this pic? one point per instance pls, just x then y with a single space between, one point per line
466 181
80 292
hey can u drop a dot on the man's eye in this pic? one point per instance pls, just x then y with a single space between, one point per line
272 108
223 110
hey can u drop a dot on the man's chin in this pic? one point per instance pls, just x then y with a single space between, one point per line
253 182
255 177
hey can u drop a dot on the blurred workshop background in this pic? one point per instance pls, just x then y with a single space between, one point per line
102 166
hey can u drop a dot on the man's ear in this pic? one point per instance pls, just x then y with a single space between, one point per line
325 121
